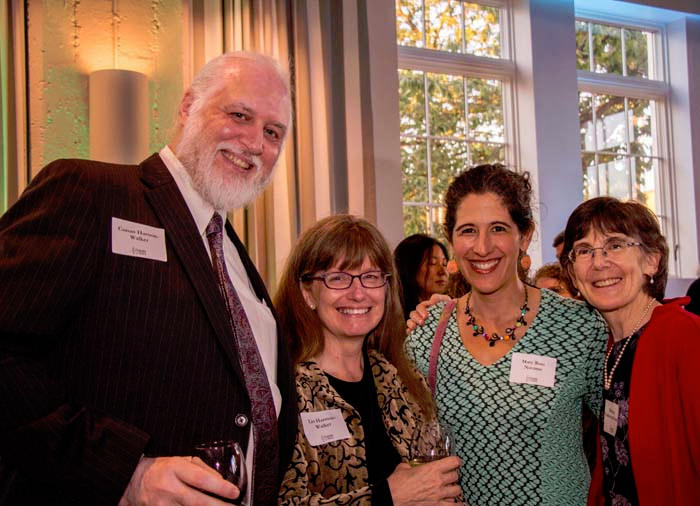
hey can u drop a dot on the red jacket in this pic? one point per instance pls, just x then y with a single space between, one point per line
664 411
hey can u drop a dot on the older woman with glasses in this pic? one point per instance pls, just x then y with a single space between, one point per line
359 398
650 423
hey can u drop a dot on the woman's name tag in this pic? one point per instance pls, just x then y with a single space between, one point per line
323 427
533 369
611 414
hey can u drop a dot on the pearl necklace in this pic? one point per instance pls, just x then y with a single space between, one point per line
607 377
493 338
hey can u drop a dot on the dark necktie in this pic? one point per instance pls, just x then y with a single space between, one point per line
266 452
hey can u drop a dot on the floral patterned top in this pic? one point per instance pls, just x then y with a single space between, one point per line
618 480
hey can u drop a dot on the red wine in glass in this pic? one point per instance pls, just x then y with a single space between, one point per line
228 460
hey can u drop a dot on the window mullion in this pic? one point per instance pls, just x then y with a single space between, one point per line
428 148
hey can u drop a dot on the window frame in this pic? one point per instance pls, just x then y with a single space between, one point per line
657 90
466 65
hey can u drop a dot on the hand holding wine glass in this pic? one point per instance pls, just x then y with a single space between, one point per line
175 480
226 457
432 440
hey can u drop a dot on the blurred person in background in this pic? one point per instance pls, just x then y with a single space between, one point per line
421 262
550 276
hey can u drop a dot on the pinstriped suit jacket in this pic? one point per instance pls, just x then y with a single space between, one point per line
104 357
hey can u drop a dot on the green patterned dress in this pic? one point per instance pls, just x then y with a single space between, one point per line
519 443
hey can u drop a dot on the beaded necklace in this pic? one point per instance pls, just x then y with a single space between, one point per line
509 334
607 377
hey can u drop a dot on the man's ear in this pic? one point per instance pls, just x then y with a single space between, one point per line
183 111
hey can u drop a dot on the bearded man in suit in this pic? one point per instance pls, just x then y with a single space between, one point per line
133 325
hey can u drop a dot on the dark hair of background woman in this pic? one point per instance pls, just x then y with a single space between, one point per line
409 255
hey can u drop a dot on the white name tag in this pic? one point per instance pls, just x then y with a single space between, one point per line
610 416
533 369
138 240
324 426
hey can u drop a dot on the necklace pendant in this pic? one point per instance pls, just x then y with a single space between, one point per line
493 338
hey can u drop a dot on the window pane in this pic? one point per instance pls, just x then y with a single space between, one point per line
640 127
437 219
415 174
610 123
483 30
444 26
582 49
585 116
637 45
590 176
415 220
409 23
446 105
645 174
613 176
483 152
485 110
411 102
607 49
448 158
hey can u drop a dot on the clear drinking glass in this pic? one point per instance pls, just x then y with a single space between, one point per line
228 459
431 441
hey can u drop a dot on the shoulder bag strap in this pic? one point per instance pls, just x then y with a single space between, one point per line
437 341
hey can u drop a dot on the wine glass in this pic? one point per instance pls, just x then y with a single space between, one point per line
228 460
432 440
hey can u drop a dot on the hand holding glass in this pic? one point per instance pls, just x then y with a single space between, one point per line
227 458
431 441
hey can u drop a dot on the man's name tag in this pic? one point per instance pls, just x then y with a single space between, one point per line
611 414
323 427
533 369
138 240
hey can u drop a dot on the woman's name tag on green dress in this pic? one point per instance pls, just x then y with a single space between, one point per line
533 369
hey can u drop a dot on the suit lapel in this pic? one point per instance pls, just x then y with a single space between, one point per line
181 232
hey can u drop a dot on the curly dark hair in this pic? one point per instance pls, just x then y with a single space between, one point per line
610 215
513 188
409 255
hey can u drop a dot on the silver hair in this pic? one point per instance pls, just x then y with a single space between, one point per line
209 76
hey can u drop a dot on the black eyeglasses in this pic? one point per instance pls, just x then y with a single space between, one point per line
343 280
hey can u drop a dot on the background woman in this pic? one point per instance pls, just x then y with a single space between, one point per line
422 264
550 276
516 363
650 423
339 303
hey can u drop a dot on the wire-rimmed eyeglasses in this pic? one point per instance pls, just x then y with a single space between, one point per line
342 280
613 248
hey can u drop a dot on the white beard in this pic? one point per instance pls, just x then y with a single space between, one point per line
224 190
